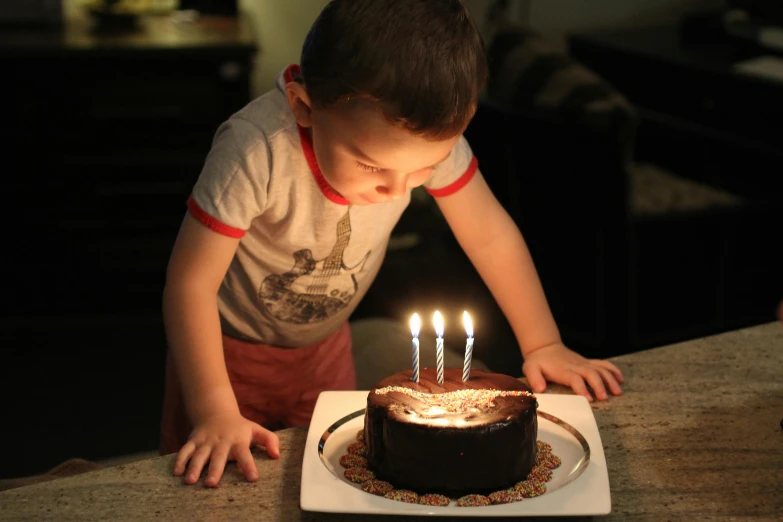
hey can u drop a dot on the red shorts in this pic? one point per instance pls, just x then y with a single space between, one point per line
275 387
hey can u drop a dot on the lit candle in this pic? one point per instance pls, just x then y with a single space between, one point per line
468 347
415 326
438 320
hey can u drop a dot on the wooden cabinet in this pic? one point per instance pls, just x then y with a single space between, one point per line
104 135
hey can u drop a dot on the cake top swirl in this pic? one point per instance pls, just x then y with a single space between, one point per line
484 399
459 401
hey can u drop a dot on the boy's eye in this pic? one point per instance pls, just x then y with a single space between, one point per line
368 168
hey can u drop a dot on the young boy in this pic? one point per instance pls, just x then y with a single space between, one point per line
289 221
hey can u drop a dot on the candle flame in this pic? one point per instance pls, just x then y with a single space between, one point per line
468 324
438 320
415 325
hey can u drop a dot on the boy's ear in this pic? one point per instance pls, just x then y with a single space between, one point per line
299 101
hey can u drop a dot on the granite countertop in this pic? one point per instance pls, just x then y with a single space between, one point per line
696 435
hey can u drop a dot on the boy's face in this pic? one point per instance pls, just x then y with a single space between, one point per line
361 155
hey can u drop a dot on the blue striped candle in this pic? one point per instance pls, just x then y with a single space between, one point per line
468 346
415 327
438 320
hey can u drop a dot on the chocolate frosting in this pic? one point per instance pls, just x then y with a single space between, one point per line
416 445
406 408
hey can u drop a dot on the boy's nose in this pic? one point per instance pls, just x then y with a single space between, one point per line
393 188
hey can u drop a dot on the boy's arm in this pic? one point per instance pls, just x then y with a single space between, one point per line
496 248
198 263
196 269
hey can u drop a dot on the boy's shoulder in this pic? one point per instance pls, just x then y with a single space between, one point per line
267 117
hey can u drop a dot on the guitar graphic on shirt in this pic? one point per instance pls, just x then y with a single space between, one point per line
313 291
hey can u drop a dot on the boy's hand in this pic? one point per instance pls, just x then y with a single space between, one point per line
219 439
563 366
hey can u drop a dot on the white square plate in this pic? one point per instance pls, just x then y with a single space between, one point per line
580 486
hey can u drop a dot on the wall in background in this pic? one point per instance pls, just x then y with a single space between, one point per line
280 27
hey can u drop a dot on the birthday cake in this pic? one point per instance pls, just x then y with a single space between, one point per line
459 437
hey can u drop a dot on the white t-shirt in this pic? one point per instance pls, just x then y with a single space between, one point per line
306 256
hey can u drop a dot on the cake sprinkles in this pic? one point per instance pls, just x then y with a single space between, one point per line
359 475
377 487
540 474
403 495
457 401
542 446
433 499
506 496
473 501
353 461
530 488
357 448
550 461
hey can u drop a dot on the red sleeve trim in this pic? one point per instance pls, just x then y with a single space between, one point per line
212 223
461 181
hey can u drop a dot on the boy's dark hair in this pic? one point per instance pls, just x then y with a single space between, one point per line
422 61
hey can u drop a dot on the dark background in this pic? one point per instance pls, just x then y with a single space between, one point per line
104 131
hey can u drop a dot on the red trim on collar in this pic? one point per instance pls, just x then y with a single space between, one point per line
461 181
307 148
